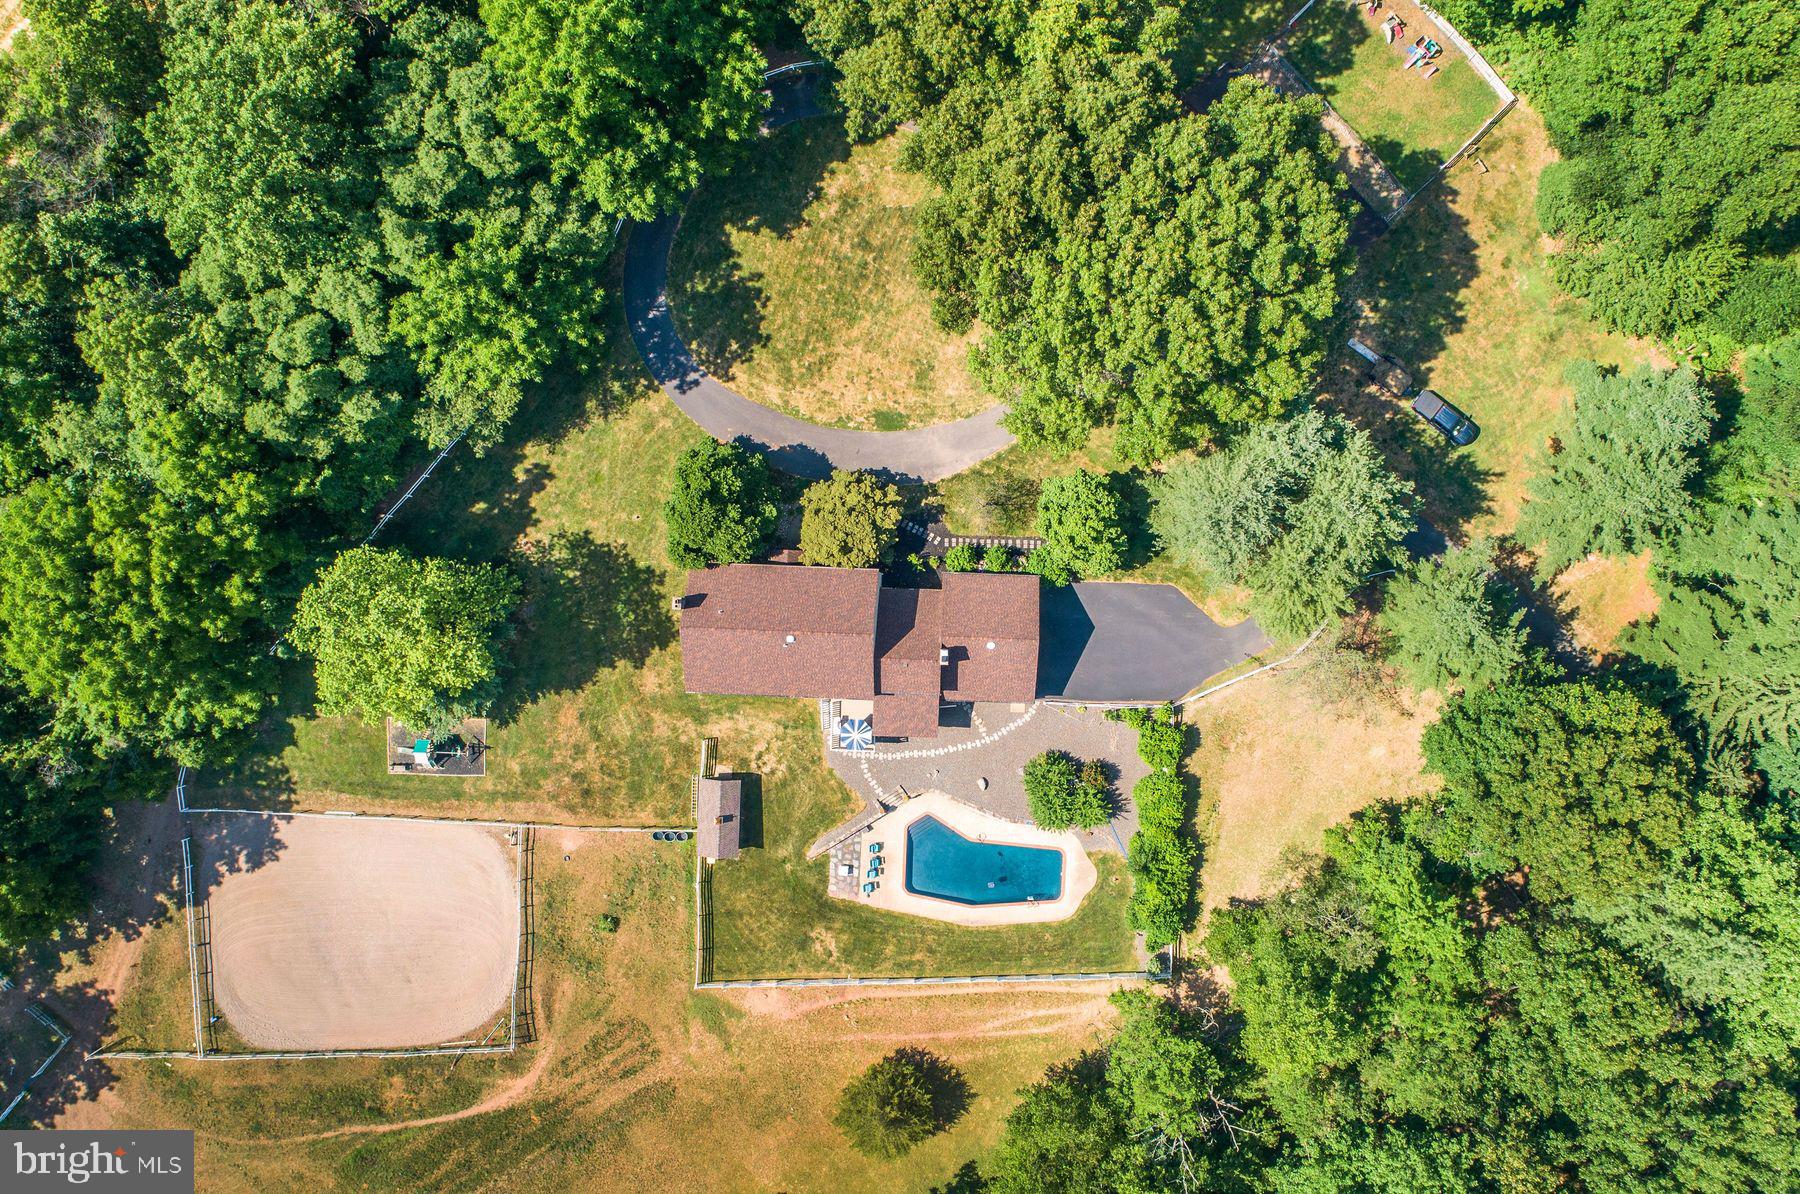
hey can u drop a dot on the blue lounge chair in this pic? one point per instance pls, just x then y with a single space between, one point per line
867 888
874 847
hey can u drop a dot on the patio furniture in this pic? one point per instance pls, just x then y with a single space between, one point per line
874 847
868 888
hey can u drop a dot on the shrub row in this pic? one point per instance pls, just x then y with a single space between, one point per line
1162 855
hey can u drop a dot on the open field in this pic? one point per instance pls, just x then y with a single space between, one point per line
1413 123
1285 755
636 1080
772 917
364 934
1461 292
792 282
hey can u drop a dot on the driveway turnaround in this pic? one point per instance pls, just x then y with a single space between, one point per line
1107 641
792 445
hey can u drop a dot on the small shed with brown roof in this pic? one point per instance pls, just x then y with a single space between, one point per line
719 811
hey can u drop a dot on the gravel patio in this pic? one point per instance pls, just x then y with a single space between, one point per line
994 746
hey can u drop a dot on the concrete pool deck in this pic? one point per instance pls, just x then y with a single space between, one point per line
1078 875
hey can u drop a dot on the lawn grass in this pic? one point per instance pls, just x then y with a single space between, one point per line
1411 122
772 917
1461 292
593 726
792 281
1284 755
635 1076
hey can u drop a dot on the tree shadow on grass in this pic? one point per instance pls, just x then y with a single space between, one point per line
1323 45
137 872
718 303
950 1091
1406 300
589 605
1413 168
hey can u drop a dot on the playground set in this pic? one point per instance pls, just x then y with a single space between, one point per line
1365 58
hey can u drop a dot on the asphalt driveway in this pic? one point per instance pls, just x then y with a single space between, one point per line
792 445
1106 641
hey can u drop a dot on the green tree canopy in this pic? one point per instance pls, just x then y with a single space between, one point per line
722 509
900 1100
630 101
1627 457
1063 796
1301 512
1728 623
1082 520
1677 189
502 266
1541 974
1133 266
1453 622
1759 457
899 58
848 520
413 640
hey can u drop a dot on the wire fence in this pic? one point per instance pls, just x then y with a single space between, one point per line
1098 976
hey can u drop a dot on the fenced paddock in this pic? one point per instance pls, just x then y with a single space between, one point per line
1398 130
322 936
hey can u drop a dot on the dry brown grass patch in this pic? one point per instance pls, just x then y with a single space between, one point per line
1277 766
1605 595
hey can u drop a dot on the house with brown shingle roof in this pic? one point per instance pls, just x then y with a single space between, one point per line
840 634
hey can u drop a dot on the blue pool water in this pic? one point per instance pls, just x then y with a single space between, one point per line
942 863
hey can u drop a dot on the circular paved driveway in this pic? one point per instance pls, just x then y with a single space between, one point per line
793 445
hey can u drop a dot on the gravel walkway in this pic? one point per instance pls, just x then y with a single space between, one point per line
995 746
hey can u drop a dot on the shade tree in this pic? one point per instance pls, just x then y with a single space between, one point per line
1453 621
721 509
897 1102
630 102
1301 512
848 520
1081 518
410 639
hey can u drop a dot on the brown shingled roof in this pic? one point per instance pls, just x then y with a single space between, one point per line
719 807
906 644
914 715
983 608
736 623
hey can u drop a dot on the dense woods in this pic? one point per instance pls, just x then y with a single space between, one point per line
257 257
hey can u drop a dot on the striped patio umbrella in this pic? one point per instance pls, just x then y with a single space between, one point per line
855 733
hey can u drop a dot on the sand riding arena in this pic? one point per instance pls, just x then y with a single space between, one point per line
324 934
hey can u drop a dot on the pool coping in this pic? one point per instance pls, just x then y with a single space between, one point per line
1079 873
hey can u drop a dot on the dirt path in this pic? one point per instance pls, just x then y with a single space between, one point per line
501 1099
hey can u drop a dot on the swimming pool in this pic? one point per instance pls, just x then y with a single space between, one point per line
945 865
